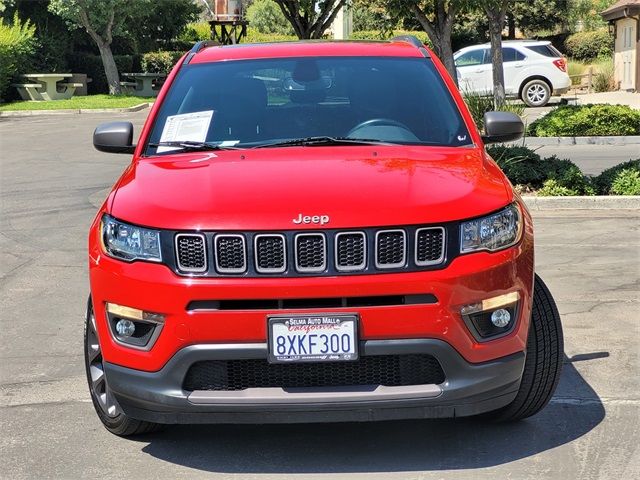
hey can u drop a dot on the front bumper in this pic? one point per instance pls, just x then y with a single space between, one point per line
469 389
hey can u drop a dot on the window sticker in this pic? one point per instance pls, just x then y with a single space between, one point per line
186 126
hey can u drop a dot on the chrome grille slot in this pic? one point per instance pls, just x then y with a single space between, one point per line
230 253
391 248
351 251
310 252
191 254
271 253
429 246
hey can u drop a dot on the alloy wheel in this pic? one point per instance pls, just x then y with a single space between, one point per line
97 381
536 93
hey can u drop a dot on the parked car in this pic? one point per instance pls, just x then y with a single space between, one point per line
314 232
533 70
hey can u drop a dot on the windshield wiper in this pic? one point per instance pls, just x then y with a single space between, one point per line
323 141
190 145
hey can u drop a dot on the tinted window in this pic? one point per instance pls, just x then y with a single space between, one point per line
511 55
546 50
252 102
474 57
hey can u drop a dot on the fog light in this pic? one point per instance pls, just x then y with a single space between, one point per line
501 318
125 328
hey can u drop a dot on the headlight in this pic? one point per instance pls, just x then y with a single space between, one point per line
494 232
128 242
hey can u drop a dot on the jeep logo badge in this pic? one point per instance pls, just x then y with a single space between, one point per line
306 219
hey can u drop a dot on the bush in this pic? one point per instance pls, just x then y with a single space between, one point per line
627 182
93 67
195 32
589 45
160 62
17 45
266 17
604 79
587 120
254 36
604 182
380 35
523 166
551 188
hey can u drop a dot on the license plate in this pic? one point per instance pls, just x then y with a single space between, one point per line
313 338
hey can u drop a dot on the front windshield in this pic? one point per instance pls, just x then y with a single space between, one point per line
253 103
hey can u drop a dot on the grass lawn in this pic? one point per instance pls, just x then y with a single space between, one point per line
90 101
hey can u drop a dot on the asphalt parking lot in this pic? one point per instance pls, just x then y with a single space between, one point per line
50 182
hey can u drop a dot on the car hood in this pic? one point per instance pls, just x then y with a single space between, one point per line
266 189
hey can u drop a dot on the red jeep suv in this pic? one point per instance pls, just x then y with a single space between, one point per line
313 232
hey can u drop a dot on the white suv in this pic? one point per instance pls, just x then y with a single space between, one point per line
533 70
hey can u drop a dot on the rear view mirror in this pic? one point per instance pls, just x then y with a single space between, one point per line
502 127
114 137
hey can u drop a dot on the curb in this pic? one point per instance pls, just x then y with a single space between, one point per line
609 202
604 140
73 111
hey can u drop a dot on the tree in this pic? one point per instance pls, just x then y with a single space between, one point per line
101 19
309 18
266 17
436 17
496 11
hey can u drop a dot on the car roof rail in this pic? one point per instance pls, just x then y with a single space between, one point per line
199 46
412 40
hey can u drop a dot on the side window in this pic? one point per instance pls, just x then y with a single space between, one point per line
474 57
511 55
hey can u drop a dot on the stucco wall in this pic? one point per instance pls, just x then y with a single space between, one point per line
625 53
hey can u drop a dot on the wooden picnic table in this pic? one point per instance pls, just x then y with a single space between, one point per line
142 86
45 86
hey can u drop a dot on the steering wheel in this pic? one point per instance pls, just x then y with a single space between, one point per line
377 122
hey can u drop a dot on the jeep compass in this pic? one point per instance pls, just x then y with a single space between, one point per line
314 232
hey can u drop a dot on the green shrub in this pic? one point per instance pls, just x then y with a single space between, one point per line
254 36
17 45
160 62
551 188
195 32
523 166
266 17
568 175
627 182
589 45
380 35
587 120
604 182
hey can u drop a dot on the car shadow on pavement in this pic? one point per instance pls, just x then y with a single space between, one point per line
384 446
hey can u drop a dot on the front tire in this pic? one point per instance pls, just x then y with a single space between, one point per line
104 402
545 351
536 93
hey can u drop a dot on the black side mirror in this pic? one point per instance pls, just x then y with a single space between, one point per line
114 137
502 127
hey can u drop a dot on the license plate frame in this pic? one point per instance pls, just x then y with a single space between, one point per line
302 320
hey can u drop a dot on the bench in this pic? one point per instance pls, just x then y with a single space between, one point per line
74 85
28 91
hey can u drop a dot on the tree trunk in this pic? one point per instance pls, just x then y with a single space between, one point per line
512 27
439 32
499 96
496 11
446 55
110 69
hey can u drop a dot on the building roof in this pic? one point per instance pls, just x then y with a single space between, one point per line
621 9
